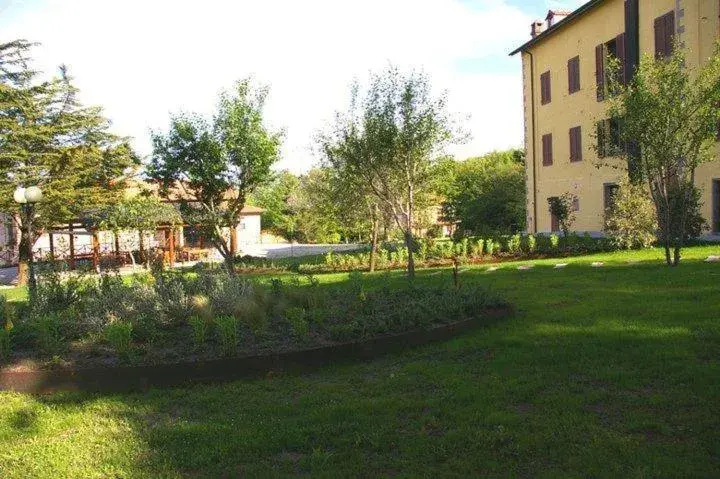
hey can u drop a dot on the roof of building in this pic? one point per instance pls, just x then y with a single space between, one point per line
552 13
554 28
178 192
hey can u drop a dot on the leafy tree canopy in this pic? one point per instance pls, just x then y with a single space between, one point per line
213 166
484 195
49 139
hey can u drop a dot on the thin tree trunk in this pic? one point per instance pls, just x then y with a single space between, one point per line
409 234
411 257
141 248
374 239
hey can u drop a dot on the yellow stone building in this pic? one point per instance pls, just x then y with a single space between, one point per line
563 77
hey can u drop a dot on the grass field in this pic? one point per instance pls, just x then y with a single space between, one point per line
602 372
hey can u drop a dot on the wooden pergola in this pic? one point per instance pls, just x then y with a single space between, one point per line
95 254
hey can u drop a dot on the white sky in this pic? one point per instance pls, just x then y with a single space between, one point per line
141 60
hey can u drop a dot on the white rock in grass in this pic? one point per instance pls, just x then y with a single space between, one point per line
525 267
597 264
561 265
712 259
491 269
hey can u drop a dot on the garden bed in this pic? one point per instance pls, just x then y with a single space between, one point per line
128 378
172 319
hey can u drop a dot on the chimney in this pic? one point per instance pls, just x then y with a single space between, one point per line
536 28
554 16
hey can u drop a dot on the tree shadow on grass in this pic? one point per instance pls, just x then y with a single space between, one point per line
616 377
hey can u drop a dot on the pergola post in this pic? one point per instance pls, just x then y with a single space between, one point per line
71 262
96 251
171 246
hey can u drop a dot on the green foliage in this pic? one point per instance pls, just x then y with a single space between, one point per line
490 246
562 208
200 327
119 335
529 245
487 194
389 141
277 198
142 213
227 330
670 115
49 139
514 244
212 168
6 327
297 318
554 241
477 248
631 221
49 330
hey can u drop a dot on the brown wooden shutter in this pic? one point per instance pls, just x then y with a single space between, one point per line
600 71
574 75
659 37
669 33
620 47
547 149
575 144
545 89
664 35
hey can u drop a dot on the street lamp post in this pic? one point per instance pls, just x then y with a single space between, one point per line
27 197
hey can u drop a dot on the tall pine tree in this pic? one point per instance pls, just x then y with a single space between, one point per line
49 139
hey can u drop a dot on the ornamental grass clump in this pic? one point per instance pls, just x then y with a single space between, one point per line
199 326
227 331
119 334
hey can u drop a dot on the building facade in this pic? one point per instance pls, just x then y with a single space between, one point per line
563 67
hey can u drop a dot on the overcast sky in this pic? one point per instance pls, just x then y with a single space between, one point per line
143 59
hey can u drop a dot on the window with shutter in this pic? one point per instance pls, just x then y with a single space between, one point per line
575 144
620 55
545 89
574 75
664 35
547 149
600 71
609 192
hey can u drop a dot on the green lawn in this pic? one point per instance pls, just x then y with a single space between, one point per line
605 372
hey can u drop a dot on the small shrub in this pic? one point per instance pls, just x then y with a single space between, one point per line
476 248
227 329
119 335
49 333
631 221
562 208
200 327
513 244
489 246
530 244
5 345
253 313
554 241
200 306
297 318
